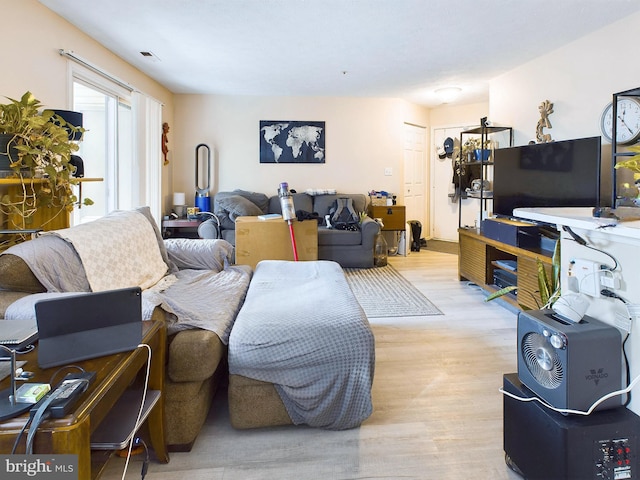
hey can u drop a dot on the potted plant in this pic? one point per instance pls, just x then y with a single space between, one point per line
36 147
633 164
548 286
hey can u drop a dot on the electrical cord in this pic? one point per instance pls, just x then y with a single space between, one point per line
24 428
605 292
42 413
145 463
140 411
568 410
581 241
62 369
626 364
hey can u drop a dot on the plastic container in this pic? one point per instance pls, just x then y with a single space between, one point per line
380 251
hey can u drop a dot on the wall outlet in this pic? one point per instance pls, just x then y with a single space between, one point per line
388 171
587 274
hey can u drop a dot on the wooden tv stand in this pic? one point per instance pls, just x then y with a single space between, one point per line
477 262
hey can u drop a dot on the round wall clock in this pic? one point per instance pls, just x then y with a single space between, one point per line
628 127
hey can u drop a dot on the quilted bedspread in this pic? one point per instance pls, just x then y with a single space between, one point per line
302 329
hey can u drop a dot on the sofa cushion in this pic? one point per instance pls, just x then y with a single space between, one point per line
301 201
331 236
238 206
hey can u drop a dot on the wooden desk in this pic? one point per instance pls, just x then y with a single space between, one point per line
114 374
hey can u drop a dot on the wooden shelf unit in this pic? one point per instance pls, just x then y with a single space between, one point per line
477 262
44 218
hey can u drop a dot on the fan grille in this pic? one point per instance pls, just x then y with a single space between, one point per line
542 361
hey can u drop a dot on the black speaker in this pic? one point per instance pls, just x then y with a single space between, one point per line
569 365
541 444
77 162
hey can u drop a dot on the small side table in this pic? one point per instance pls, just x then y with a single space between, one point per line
394 219
180 228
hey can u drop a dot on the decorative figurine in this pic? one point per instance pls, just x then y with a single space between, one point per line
165 140
545 109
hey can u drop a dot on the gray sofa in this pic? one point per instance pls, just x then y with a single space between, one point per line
196 357
352 249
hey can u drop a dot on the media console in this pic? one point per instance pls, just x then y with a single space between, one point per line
482 260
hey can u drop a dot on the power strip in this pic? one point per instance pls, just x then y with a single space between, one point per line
67 392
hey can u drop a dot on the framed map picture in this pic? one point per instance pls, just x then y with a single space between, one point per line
291 142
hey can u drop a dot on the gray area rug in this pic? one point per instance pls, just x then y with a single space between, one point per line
383 292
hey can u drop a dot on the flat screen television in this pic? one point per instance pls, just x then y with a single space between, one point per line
554 174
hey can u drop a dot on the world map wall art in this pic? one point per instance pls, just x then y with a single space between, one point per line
291 142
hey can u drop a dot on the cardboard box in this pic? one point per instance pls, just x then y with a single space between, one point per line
378 201
258 240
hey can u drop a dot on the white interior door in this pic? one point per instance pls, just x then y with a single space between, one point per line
444 208
414 175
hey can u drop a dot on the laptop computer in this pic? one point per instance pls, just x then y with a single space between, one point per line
17 334
84 326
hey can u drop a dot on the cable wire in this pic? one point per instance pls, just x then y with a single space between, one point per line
568 410
144 396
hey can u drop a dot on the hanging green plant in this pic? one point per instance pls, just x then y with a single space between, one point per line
38 149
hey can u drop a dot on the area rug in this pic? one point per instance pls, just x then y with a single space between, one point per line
383 292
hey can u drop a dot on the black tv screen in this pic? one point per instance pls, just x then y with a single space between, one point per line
554 174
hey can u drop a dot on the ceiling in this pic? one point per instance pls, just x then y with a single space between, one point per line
375 48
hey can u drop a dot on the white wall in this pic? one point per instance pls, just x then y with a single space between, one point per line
578 78
363 136
31 62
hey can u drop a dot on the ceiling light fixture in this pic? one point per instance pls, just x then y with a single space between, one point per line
448 94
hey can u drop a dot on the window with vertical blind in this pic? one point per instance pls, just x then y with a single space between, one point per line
121 144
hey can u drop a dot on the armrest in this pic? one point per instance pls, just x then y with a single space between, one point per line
369 228
194 355
7 298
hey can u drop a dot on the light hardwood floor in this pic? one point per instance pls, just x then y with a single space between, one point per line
437 410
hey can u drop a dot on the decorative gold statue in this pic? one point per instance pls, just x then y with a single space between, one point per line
545 109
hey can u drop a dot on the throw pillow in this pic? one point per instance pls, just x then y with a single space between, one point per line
238 206
199 254
260 199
